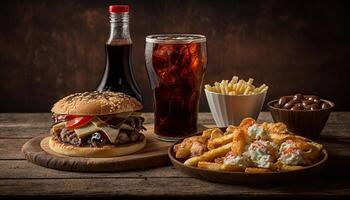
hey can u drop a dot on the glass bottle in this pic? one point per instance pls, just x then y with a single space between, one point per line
118 74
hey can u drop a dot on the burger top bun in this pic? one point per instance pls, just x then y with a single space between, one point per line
96 103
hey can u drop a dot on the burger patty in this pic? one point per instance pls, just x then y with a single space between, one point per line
113 121
99 138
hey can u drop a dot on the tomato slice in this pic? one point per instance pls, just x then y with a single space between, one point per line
78 121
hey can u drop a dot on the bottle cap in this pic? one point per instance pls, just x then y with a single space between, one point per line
118 8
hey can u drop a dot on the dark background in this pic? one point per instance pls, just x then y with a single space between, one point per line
51 48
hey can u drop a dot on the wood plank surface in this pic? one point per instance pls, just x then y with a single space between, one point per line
11 149
184 187
21 178
19 169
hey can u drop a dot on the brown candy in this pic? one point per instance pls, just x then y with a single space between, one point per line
310 97
301 102
306 102
307 107
314 107
290 104
297 106
298 97
313 98
282 101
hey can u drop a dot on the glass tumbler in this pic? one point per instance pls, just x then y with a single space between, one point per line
176 65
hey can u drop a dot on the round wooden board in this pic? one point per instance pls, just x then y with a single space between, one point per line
154 154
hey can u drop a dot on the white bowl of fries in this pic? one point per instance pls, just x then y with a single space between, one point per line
232 101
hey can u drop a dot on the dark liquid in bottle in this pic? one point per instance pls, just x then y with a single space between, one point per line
118 74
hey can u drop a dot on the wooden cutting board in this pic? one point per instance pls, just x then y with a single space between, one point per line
154 154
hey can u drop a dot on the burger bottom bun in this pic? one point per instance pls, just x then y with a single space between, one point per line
96 152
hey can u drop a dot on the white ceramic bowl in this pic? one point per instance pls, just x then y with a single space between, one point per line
231 110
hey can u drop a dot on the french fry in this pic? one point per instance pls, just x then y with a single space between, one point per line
255 170
208 87
228 167
222 89
216 134
283 167
212 133
192 161
220 141
246 91
236 86
250 81
230 129
280 138
239 86
226 86
209 155
246 122
239 142
234 80
209 165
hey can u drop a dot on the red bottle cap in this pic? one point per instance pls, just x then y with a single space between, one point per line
118 8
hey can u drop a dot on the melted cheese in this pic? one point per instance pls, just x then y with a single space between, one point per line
86 130
58 126
111 133
98 125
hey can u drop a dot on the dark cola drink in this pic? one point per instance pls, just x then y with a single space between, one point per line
176 66
118 74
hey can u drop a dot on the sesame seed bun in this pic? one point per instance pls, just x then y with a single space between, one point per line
96 152
96 103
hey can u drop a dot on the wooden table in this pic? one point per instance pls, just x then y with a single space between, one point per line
21 178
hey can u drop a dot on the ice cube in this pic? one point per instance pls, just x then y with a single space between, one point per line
168 75
195 64
193 48
162 55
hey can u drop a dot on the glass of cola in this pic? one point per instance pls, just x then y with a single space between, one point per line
176 65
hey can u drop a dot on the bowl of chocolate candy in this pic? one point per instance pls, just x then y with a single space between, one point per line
305 115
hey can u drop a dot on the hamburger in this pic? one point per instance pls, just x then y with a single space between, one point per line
97 124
